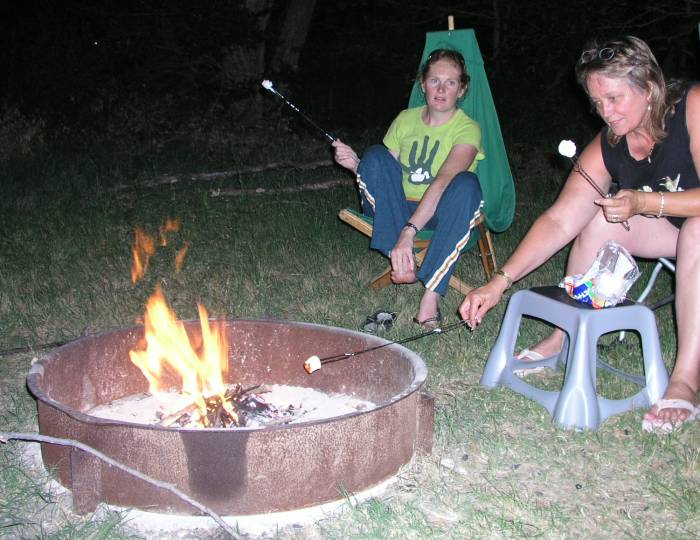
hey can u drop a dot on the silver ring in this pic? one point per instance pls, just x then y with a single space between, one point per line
614 218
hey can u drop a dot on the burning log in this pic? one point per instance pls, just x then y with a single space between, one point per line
238 406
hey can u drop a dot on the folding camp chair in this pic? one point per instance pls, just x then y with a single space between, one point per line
488 257
494 171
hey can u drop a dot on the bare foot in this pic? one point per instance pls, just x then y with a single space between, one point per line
549 346
429 308
406 277
675 390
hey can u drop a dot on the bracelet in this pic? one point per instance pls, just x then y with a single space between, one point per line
661 207
506 276
410 225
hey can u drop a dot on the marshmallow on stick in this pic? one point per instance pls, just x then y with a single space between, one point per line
568 149
267 85
313 363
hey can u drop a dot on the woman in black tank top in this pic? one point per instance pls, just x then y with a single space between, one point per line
650 146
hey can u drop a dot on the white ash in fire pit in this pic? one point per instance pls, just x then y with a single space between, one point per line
256 407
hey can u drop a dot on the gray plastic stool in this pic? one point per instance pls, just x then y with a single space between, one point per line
577 404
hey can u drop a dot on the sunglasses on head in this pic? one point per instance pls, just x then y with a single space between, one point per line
605 54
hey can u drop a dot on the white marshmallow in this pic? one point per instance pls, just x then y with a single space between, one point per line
267 85
567 148
313 363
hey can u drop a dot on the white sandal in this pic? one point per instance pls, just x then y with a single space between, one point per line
531 356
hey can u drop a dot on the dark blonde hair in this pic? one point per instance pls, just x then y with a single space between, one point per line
631 59
450 55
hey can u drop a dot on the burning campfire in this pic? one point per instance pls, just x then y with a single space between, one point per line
355 427
199 363
201 367
168 353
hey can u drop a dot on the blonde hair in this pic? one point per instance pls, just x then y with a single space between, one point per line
631 59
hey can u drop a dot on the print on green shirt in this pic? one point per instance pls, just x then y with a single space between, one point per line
419 171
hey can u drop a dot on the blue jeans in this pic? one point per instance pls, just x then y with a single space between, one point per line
382 196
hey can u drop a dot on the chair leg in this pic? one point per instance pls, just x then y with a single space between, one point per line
487 251
661 263
460 286
382 280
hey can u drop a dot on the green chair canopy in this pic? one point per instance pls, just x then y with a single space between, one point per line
494 171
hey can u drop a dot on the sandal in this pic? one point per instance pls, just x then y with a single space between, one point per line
379 322
431 322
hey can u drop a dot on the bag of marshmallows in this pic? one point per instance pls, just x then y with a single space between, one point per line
608 279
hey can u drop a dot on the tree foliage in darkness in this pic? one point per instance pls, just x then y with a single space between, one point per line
348 62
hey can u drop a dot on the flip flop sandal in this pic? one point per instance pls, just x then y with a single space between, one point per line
526 355
379 322
431 322
663 427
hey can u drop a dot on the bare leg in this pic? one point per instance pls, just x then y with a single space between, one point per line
685 379
429 306
592 237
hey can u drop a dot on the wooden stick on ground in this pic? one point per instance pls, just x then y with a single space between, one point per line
317 186
34 437
175 178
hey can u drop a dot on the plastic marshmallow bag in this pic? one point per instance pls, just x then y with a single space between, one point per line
608 279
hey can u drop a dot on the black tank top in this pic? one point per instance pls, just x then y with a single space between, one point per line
669 167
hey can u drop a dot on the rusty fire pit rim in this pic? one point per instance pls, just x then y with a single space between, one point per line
420 372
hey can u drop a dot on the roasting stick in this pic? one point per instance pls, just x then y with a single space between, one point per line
314 363
267 85
568 149
582 172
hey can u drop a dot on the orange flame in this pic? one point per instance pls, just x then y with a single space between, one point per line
169 352
180 256
145 246
168 356
170 225
142 251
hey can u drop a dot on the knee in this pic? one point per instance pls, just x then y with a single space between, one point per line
690 230
374 156
596 231
465 185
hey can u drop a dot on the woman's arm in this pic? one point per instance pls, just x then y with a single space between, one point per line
553 230
345 156
459 159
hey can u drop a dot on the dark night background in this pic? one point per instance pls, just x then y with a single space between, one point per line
349 64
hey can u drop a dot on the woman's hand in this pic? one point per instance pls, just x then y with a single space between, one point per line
345 156
625 204
479 301
403 264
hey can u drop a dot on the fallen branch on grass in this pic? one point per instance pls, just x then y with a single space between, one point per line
174 179
18 350
317 186
34 437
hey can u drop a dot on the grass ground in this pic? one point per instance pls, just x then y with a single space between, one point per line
499 468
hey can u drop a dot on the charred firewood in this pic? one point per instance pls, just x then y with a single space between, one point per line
237 407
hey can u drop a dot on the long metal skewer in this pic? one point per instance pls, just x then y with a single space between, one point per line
268 86
438 330
586 176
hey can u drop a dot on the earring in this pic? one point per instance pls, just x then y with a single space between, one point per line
649 107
